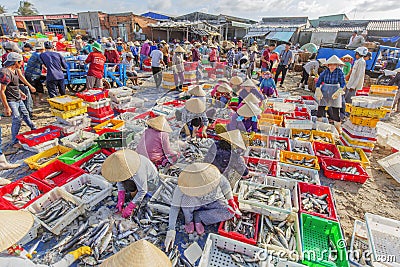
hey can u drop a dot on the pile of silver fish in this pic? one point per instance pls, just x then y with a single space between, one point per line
278 144
304 162
245 225
55 211
93 165
87 190
322 138
269 195
22 194
280 133
262 153
350 155
297 176
46 159
177 260
278 235
257 142
173 171
162 200
348 170
53 175
196 150
301 135
301 149
315 203
267 169
325 152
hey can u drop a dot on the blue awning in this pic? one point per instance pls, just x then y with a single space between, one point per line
279 36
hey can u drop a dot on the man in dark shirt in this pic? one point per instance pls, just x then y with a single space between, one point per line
55 63
285 60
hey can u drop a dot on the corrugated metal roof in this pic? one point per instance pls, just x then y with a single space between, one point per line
279 36
281 25
384 25
334 29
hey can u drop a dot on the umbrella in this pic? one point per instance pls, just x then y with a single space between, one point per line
280 48
310 47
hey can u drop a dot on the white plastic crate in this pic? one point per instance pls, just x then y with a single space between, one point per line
274 153
384 238
311 104
360 239
292 168
257 207
49 198
41 147
69 129
120 100
394 141
76 120
99 104
70 141
288 184
299 143
391 164
257 178
326 127
97 180
279 131
294 255
32 234
364 129
120 92
368 102
299 124
214 254
284 107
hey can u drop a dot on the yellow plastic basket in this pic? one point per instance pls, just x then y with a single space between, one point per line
69 114
297 131
348 107
117 124
287 155
65 102
316 133
369 112
383 90
364 121
270 119
364 159
357 142
33 161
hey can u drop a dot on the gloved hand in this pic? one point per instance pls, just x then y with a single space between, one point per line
128 210
84 250
121 200
318 93
204 132
338 93
169 240
233 208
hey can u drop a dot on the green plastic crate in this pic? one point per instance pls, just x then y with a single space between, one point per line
235 100
75 155
316 233
115 139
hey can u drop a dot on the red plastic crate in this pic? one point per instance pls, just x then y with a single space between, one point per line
271 164
100 112
279 138
43 188
175 103
107 130
301 109
145 116
190 66
345 143
240 237
360 178
5 205
218 121
107 152
307 97
364 91
300 101
54 132
93 97
275 112
318 190
69 173
321 146
132 109
101 120
298 115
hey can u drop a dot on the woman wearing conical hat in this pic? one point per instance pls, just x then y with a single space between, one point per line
14 225
245 119
222 93
198 92
205 197
247 87
155 144
194 116
178 67
226 154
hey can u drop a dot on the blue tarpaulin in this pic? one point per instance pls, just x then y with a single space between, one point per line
393 39
279 36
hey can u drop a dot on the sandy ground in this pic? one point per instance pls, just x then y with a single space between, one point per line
379 195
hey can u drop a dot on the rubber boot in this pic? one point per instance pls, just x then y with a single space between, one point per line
199 228
189 228
338 126
5 165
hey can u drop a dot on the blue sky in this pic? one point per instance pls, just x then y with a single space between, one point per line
253 9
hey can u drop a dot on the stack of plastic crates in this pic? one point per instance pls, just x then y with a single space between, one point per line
121 100
190 72
360 130
70 112
168 81
41 139
99 108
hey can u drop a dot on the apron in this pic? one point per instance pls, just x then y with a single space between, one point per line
327 91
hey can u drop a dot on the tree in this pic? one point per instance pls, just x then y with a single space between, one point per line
2 9
26 8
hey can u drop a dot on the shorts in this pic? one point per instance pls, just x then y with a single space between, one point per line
93 82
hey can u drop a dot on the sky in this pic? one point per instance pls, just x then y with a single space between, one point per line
252 9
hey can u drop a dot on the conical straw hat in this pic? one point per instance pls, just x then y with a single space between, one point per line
334 60
121 165
159 123
251 98
230 45
224 88
236 80
14 225
347 56
199 179
197 91
249 110
234 137
139 254
255 81
179 49
248 83
195 105
224 80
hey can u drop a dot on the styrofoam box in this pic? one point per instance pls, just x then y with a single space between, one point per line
384 238
97 180
41 147
52 196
